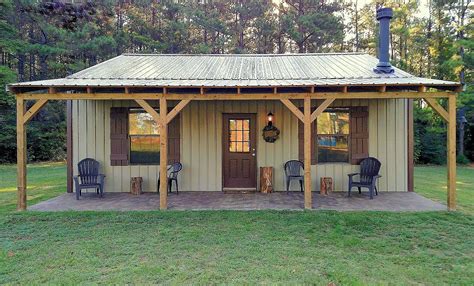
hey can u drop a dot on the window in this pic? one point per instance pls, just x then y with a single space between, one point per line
333 135
144 138
239 135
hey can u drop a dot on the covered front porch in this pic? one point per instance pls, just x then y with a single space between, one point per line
337 201
299 97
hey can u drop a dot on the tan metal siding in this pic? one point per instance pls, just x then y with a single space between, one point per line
201 148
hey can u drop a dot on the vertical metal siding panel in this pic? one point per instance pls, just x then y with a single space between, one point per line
186 143
382 142
391 161
287 139
271 147
109 181
90 127
261 150
204 147
218 128
76 118
99 134
280 154
211 146
143 172
373 130
195 148
401 139
82 129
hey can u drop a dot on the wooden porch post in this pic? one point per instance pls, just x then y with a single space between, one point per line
451 153
163 154
21 153
308 200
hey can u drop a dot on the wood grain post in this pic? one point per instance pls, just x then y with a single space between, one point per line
21 153
452 153
163 155
308 203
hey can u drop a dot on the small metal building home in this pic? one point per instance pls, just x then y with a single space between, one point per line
136 113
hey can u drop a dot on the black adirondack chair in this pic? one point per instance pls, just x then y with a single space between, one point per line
89 177
293 172
173 171
369 173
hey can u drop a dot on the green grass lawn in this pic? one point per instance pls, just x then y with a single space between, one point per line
232 247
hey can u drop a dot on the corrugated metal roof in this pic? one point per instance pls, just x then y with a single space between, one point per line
234 70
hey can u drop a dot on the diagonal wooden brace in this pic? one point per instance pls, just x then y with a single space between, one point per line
321 108
34 110
438 108
293 109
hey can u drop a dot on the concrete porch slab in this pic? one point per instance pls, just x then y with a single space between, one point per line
385 201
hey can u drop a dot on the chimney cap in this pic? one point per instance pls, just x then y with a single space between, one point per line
384 13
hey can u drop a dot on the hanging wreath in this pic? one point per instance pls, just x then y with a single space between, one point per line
270 133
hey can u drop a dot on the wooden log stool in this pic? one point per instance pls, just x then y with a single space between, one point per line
326 186
266 180
136 185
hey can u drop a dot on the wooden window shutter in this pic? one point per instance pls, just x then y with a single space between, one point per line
301 142
359 134
119 143
174 138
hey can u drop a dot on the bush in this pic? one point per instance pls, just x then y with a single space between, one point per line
462 160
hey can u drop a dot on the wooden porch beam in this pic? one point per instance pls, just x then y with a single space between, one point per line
163 155
182 104
150 110
438 108
321 108
295 110
451 138
236 96
308 200
34 110
21 154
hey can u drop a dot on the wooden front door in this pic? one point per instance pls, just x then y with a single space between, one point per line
239 152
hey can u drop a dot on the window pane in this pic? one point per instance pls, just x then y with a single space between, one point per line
240 135
239 124
239 146
246 147
142 123
145 149
233 146
333 149
232 124
233 136
246 125
333 123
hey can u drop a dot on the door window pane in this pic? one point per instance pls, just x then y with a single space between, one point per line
239 135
